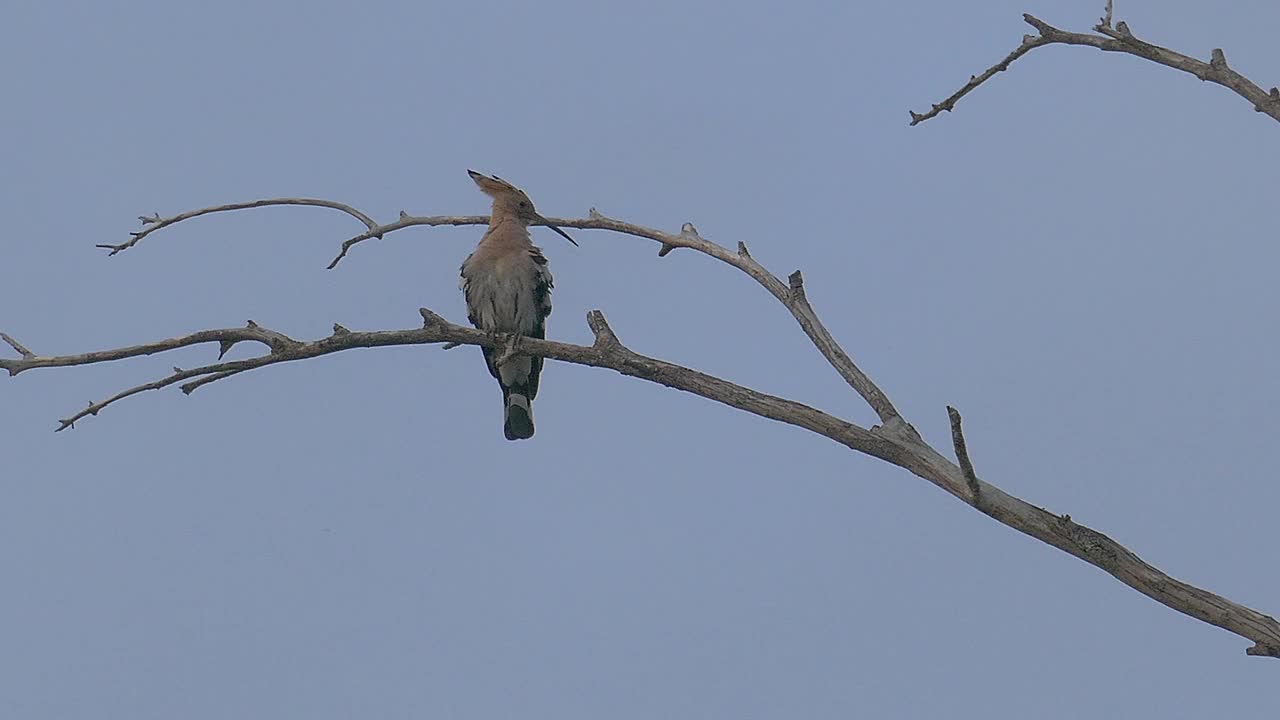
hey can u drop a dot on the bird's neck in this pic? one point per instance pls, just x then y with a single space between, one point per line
505 230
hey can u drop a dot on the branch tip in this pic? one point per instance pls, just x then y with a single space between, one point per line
795 281
17 346
1041 26
1048 34
962 455
430 319
1261 649
605 337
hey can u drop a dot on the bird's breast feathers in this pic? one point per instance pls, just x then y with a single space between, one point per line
507 291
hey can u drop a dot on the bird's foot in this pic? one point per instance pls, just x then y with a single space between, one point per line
510 348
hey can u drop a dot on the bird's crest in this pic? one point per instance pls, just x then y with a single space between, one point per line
510 201
495 187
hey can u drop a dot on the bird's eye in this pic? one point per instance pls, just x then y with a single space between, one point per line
524 204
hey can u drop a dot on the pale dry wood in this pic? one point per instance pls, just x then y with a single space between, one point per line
895 441
1122 40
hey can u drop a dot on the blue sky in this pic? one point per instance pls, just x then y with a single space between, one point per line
1079 258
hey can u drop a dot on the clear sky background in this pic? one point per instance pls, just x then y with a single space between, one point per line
1082 258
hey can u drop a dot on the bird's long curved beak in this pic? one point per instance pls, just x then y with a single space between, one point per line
563 234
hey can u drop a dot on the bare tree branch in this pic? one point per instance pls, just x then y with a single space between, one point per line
1120 39
895 443
154 222
252 332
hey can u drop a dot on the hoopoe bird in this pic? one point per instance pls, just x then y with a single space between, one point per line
508 290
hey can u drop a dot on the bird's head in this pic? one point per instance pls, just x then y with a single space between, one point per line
510 201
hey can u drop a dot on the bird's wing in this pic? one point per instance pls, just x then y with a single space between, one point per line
542 294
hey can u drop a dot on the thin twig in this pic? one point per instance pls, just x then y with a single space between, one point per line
152 223
405 221
1029 43
17 346
178 375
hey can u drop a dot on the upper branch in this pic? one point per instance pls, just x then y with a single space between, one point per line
1121 39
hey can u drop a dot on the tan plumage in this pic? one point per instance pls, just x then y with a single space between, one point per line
508 289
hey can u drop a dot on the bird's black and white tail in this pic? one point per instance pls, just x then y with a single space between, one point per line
518 419
519 383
